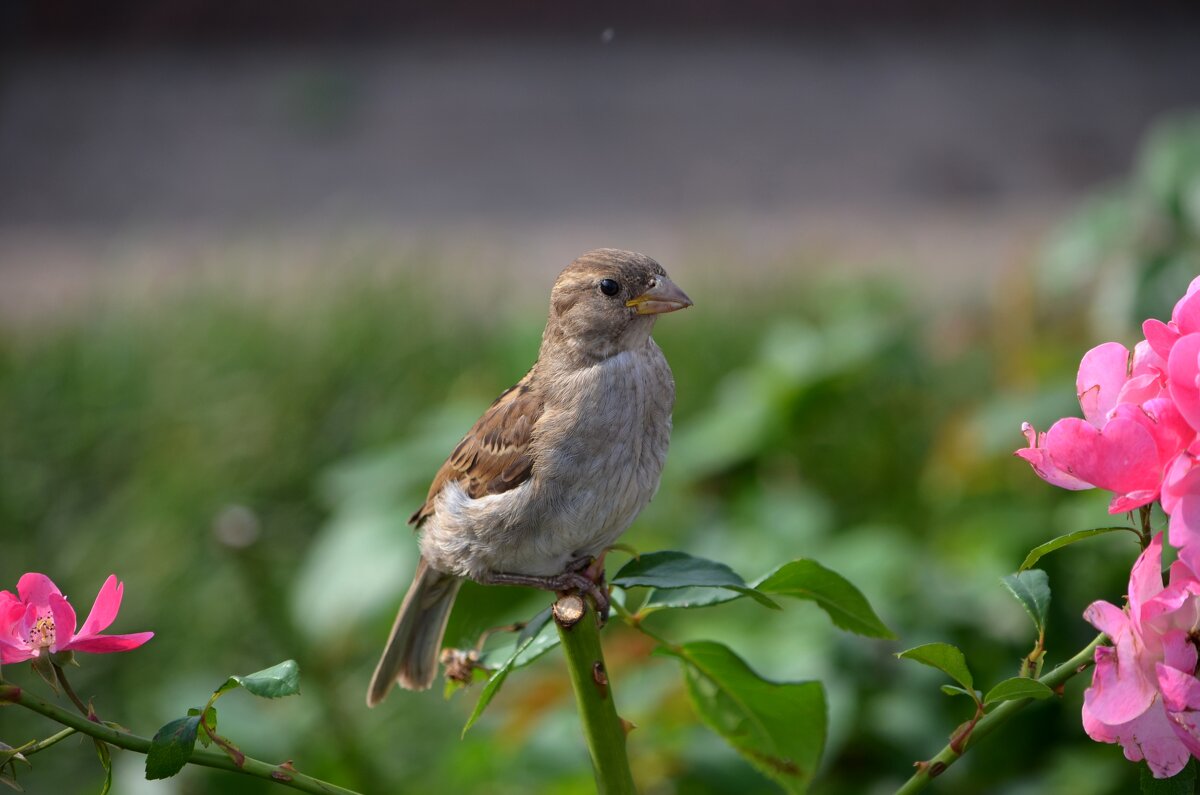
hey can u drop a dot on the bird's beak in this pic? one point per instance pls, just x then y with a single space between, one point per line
663 296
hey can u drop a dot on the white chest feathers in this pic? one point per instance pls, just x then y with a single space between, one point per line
598 451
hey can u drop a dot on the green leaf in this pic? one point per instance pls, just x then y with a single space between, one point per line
106 763
209 722
1032 590
538 637
954 690
171 747
274 682
660 599
1037 552
779 727
670 569
1182 783
1017 688
945 658
833 593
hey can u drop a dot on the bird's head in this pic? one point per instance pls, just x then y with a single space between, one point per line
606 301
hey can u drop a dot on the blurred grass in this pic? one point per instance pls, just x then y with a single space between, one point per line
246 465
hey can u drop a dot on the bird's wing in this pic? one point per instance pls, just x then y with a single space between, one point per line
494 456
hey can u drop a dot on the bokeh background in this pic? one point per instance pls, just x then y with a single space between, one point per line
261 265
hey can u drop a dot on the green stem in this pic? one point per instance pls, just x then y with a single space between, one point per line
930 770
602 728
251 767
42 745
66 686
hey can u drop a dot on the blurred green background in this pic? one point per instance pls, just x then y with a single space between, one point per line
246 468
261 265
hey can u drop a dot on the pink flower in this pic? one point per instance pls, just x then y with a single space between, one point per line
1185 319
41 621
1144 692
1130 432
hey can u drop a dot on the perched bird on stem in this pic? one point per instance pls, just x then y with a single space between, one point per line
556 469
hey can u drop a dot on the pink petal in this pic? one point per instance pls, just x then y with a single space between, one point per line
1043 466
104 609
1146 361
1139 389
36 588
1108 618
1121 458
1184 529
1170 430
1172 610
1120 691
1152 737
1102 372
1148 735
1182 372
12 611
1145 579
1186 314
104 644
1180 478
1160 337
1178 650
1180 690
1124 503
64 622
14 654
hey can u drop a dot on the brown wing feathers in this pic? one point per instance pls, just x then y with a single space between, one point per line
494 455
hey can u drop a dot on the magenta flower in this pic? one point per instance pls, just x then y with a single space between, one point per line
1130 433
1185 319
1144 692
41 621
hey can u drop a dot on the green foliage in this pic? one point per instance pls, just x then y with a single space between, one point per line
1017 688
173 743
946 658
671 570
1037 552
263 450
779 727
537 638
171 747
833 593
274 682
1032 589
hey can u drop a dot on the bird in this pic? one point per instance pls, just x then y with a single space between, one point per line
558 466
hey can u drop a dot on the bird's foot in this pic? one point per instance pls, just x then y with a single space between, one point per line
573 580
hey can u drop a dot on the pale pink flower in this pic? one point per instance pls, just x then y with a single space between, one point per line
40 620
1144 693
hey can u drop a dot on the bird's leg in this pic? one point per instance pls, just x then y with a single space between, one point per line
571 580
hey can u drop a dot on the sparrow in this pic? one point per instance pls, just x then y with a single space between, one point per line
558 466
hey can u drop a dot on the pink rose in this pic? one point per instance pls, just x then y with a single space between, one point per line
1144 693
40 620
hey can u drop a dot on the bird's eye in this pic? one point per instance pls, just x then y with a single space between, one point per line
609 287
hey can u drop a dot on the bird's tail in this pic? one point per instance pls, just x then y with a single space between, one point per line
411 655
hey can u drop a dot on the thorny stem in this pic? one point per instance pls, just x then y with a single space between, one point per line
602 727
61 676
280 774
928 771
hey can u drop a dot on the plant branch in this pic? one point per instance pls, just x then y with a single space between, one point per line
42 745
61 676
928 771
281 774
602 727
